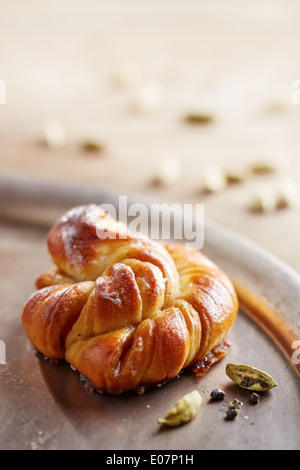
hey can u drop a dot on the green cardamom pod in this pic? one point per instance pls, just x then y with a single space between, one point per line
184 410
250 378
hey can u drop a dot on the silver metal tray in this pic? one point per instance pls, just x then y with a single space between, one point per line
46 406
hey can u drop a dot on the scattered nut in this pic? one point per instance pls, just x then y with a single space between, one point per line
92 146
184 410
149 97
214 180
264 200
168 171
235 176
54 134
263 167
288 194
198 118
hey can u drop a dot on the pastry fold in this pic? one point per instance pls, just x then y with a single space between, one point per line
124 310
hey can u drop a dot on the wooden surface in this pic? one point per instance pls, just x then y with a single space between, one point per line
236 61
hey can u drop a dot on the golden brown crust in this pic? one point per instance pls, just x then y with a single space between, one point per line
124 310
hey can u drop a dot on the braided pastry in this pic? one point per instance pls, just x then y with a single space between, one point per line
124 310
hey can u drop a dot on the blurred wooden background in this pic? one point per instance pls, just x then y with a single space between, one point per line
126 72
